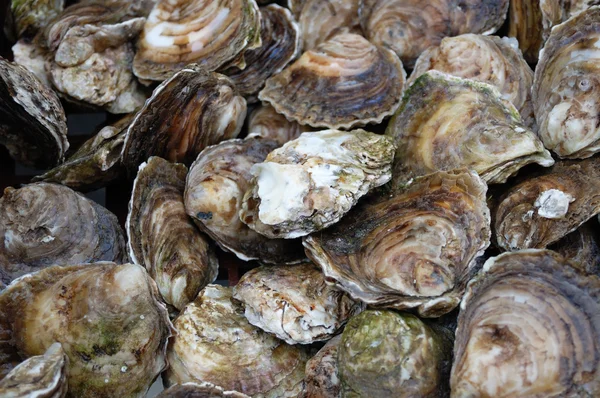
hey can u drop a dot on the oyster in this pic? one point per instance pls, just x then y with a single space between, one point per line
33 125
213 197
555 12
296 7
203 390
321 375
543 209
410 249
280 37
320 20
42 376
311 182
528 327
342 83
96 163
186 113
215 343
525 24
447 122
33 58
29 16
208 32
391 354
566 86
488 59
44 224
162 238
294 303
107 318
266 123
581 247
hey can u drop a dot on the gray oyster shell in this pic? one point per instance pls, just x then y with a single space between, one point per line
321 376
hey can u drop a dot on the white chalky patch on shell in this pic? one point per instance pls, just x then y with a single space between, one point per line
553 203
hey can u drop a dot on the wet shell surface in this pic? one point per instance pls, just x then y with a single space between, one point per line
265 122
321 376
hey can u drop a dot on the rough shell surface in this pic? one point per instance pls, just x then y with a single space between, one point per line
321 375
581 247
265 122
29 16
321 20
202 390
555 12
525 24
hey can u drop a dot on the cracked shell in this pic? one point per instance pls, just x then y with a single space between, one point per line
321 376
265 122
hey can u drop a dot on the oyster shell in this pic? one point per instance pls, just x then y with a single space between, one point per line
96 163
42 376
162 238
296 7
213 197
543 209
294 303
33 125
566 86
410 249
186 113
107 318
266 123
44 224
210 33
280 37
32 57
581 247
320 20
311 182
321 375
203 390
525 24
29 16
555 12
488 59
391 354
215 343
528 327
342 83
447 122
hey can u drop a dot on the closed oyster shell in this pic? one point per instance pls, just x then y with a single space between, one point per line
107 318
555 12
528 327
565 88
41 376
163 239
186 113
447 122
386 353
215 343
215 188
543 209
210 33
311 182
33 125
280 37
203 390
488 59
581 247
294 303
44 224
410 249
266 123
29 16
321 375
525 24
320 20
342 83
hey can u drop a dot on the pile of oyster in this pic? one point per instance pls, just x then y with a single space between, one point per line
416 197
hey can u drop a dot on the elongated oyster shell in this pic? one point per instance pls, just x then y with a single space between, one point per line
391 354
321 375
320 20
566 87
162 238
266 123
311 182
107 318
411 249
528 327
208 32
33 125
203 390
294 303
280 37
215 343
581 247
525 24
555 12
342 83
42 376
29 16
44 224
186 113
447 122
543 209
488 59
215 188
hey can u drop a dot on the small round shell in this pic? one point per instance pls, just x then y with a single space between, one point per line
321 375
344 82
264 122
320 20
202 390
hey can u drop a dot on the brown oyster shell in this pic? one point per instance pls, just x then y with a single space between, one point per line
107 318
446 122
410 249
320 20
543 209
163 239
294 303
203 390
581 247
528 327
186 113
525 24
33 125
208 32
555 12
29 16
342 83
265 122
215 343
215 187
44 224
321 374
